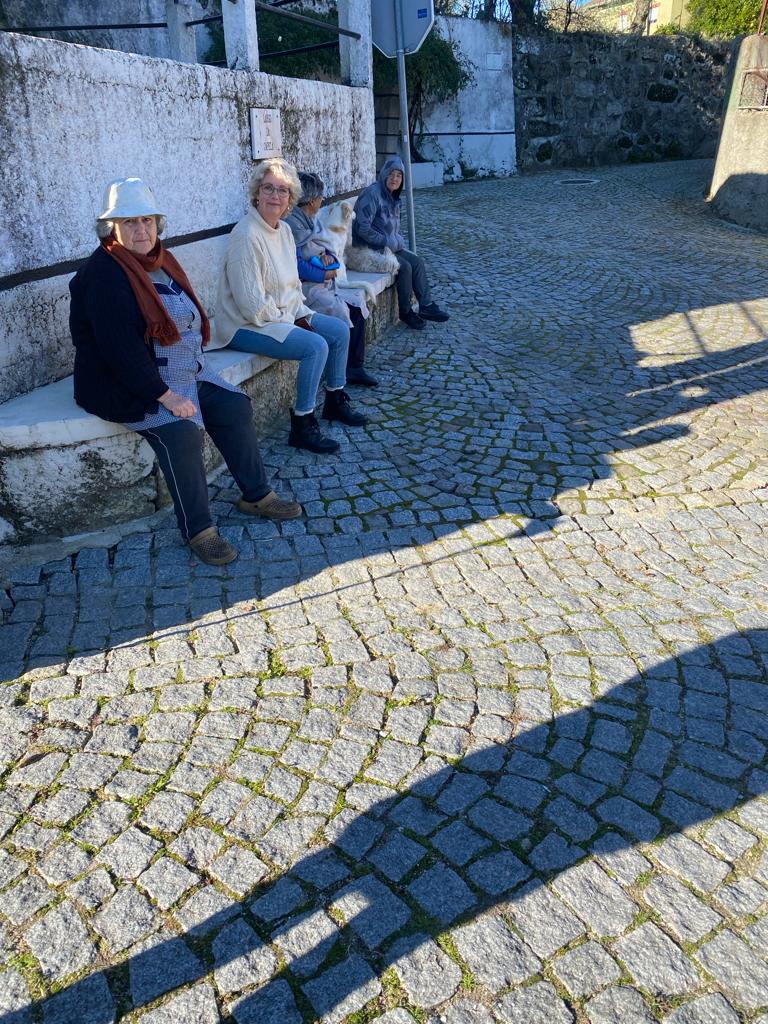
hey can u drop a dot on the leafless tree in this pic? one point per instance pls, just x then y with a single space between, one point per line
640 16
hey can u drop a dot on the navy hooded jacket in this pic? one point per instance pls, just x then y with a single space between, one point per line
377 212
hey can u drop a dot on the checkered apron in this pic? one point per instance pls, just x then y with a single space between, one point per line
182 365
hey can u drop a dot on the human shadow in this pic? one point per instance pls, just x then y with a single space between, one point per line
647 759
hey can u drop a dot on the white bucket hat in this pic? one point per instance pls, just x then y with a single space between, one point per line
129 197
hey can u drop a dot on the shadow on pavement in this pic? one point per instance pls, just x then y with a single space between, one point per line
147 591
591 333
664 751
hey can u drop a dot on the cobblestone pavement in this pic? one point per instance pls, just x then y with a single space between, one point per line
483 738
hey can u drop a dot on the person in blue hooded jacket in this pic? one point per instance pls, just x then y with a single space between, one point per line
377 225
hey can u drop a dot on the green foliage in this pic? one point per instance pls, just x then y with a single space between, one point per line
670 30
278 33
438 71
723 19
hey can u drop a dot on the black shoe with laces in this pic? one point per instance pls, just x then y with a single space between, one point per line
305 433
338 407
433 312
412 320
359 375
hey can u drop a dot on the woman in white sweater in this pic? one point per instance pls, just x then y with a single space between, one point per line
260 307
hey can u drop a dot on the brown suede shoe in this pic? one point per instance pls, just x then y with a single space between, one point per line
271 506
210 547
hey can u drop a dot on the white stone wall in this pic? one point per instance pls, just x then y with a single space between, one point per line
150 42
488 105
73 117
739 190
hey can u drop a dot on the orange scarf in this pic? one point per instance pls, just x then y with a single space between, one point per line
160 327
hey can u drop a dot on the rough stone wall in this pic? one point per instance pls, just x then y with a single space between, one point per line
75 117
739 190
583 99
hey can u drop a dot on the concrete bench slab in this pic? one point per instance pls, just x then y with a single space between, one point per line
48 416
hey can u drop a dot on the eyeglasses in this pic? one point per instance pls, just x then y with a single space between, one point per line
281 190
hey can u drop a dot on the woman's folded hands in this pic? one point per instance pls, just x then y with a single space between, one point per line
177 404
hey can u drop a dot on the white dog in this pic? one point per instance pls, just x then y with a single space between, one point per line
335 224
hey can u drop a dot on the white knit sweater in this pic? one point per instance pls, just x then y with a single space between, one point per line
259 286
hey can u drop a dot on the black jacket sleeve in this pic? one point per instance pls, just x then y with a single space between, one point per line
115 371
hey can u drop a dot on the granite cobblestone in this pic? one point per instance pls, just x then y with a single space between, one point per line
482 739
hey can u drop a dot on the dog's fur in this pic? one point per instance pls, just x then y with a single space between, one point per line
335 222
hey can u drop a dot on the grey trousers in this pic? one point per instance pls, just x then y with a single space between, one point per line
412 277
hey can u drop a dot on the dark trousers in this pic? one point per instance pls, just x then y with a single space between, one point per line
356 357
228 418
412 277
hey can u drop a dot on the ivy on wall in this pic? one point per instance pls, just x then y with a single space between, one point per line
438 71
723 19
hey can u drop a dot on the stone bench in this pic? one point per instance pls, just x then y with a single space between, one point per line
65 471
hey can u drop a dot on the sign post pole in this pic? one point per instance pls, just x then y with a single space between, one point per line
405 139
399 27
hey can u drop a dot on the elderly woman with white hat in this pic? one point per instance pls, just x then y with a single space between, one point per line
139 333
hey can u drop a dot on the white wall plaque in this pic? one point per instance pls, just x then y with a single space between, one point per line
493 61
266 136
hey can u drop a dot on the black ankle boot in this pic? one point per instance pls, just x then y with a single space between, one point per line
338 407
305 433
359 375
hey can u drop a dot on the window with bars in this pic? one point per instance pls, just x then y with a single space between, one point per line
754 90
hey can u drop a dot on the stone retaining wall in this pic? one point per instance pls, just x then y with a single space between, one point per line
147 41
583 99
74 117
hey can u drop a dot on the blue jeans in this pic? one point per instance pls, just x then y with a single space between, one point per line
328 343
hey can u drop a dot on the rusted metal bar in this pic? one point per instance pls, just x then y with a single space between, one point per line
300 49
324 25
761 20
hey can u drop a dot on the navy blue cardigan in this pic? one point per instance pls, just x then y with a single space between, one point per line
116 376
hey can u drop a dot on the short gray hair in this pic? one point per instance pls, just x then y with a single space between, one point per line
281 169
312 187
104 228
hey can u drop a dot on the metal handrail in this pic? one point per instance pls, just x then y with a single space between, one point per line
300 49
86 28
205 21
336 29
273 8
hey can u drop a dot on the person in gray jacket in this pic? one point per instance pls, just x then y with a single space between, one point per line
377 225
